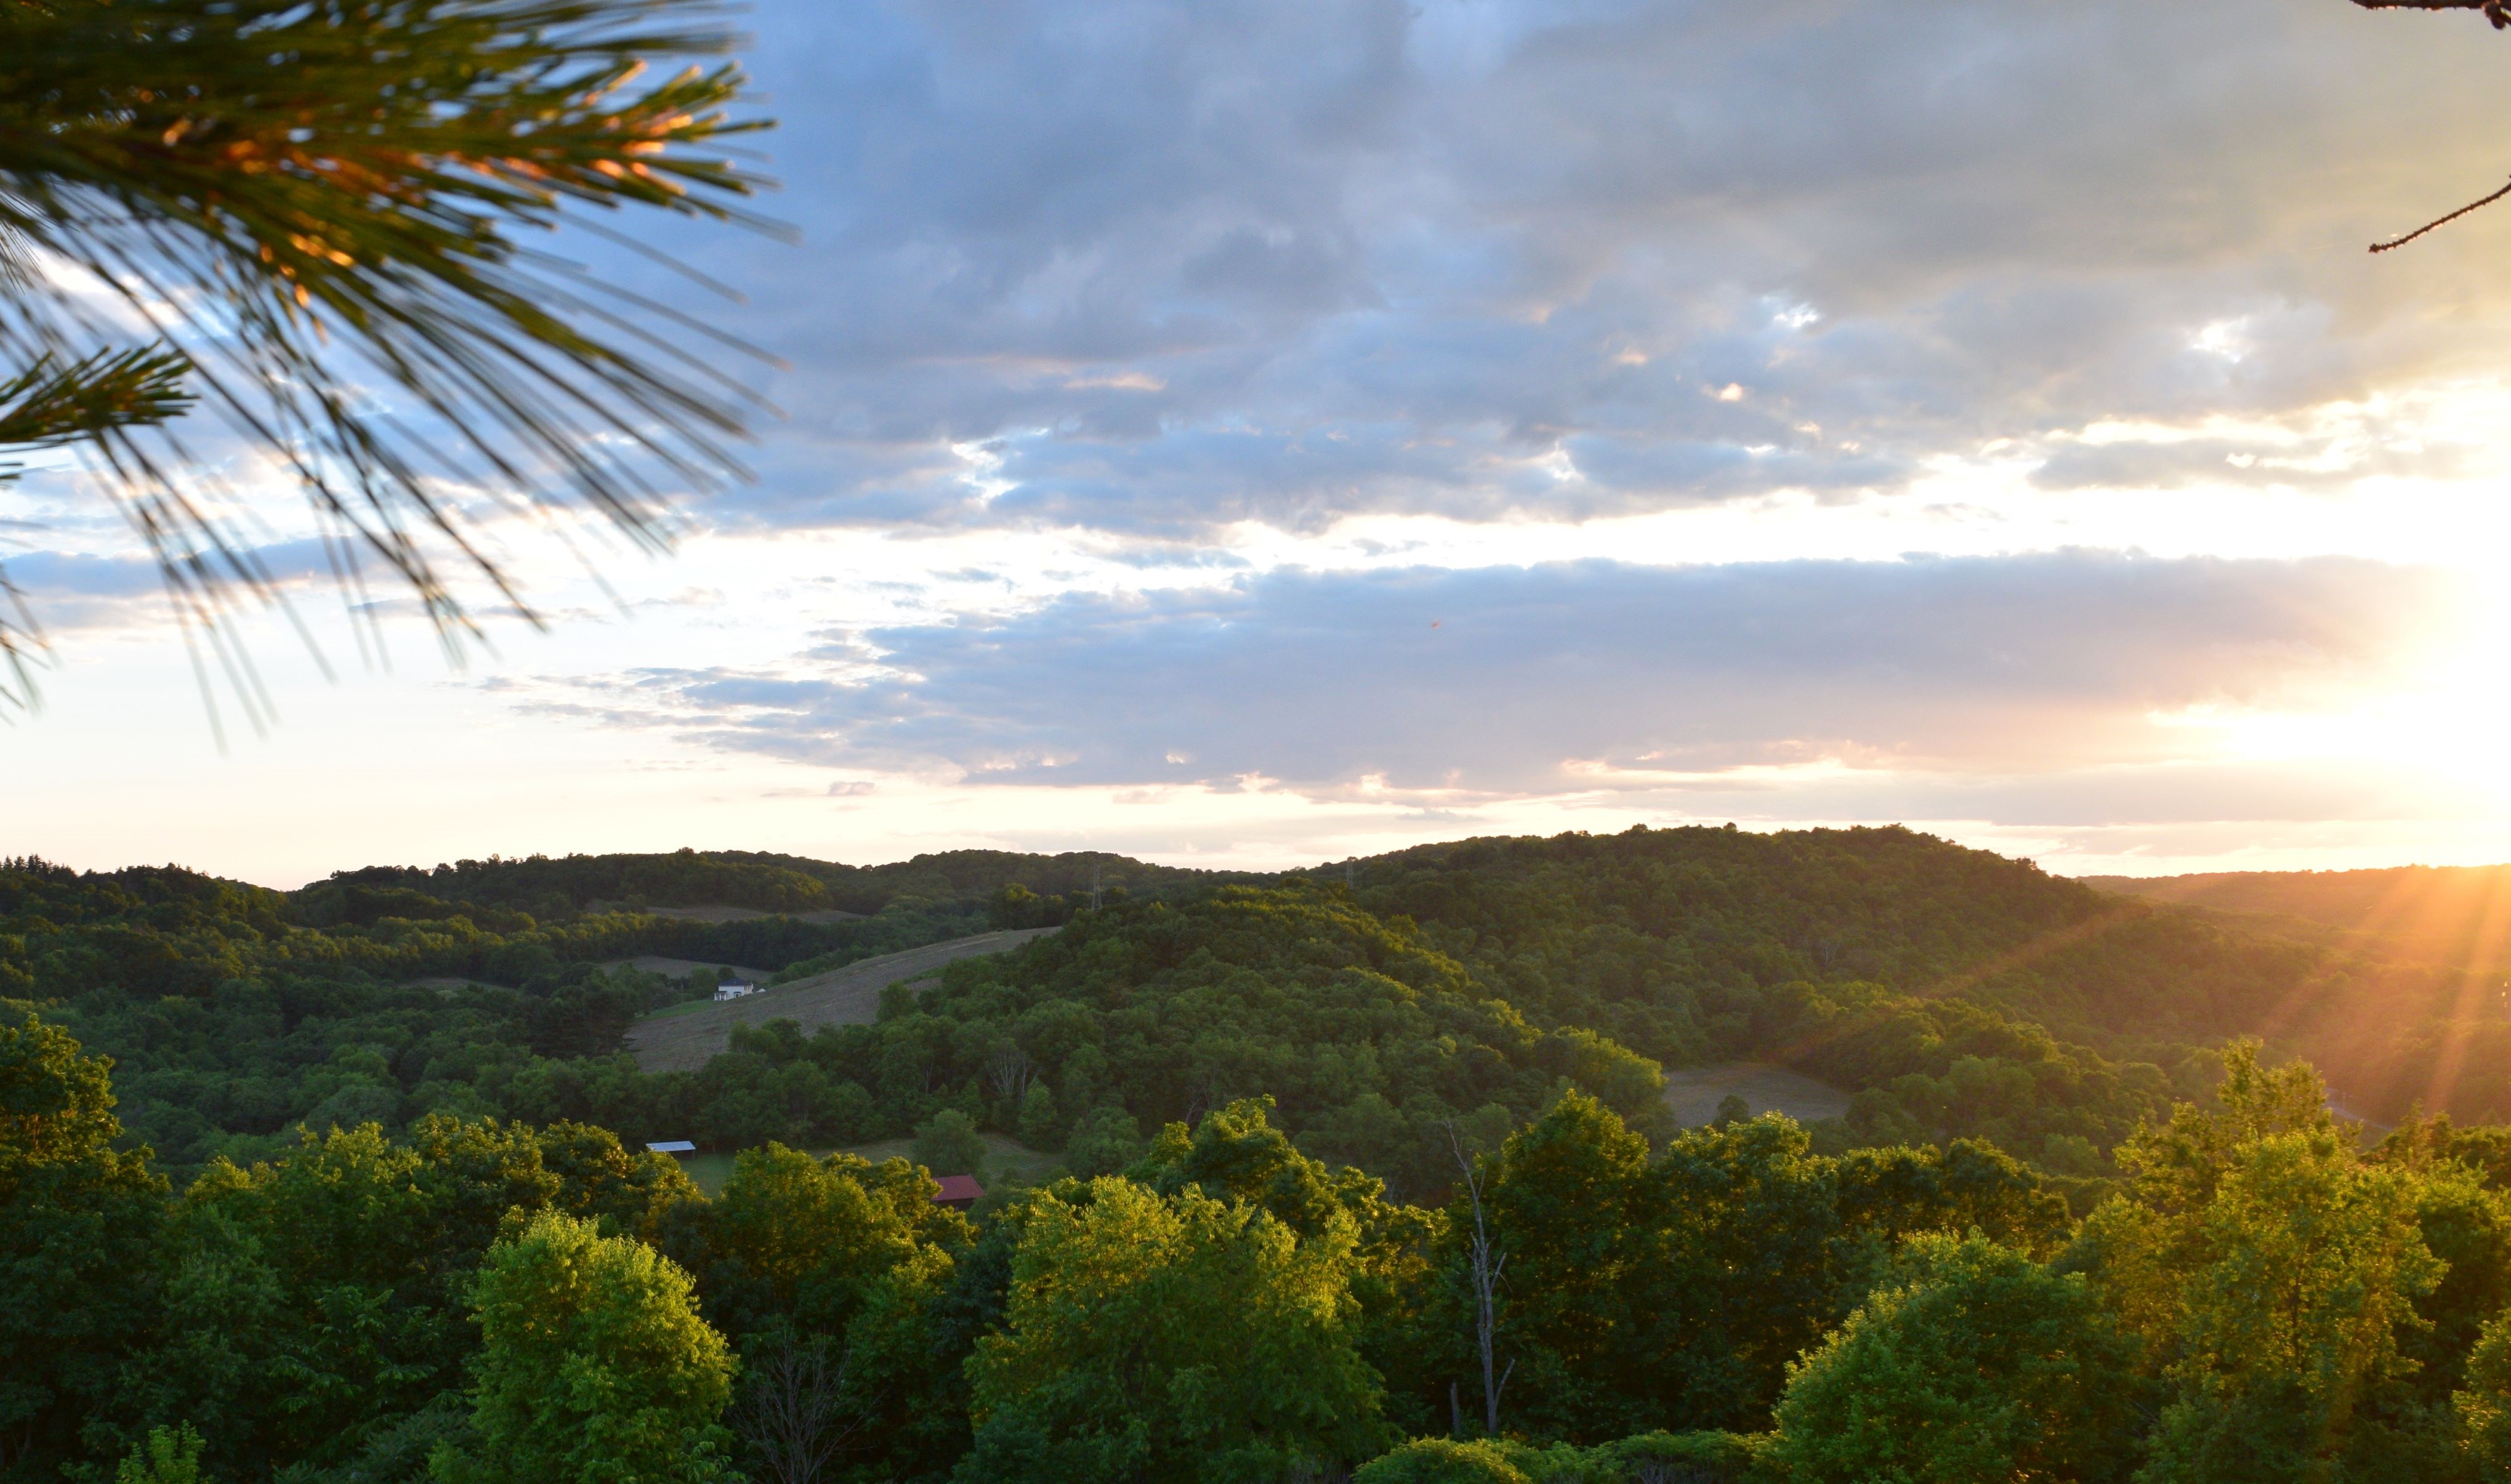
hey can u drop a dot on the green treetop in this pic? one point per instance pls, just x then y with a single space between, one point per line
595 1366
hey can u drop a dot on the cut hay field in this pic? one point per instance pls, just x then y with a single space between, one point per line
683 1040
1002 1154
1694 1092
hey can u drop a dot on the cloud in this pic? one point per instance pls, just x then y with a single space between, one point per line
81 590
45 574
1593 674
1148 268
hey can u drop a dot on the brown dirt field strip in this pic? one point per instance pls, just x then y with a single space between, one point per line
843 996
1694 1092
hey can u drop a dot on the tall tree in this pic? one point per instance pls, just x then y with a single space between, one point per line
595 1366
797 1240
1974 1362
2272 1275
76 1216
1176 1339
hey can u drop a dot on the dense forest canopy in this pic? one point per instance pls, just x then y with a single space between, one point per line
1953 993
341 1184
2260 1297
2458 917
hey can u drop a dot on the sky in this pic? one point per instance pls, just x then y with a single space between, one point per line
1251 434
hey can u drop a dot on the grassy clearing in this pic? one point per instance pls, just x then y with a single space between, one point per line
1694 1092
1003 1155
682 1008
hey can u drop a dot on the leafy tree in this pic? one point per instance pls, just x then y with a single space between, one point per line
1745 1272
907 1384
1106 1141
1237 1155
2149 1247
1178 1338
2312 1269
798 1241
2272 1273
948 1144
594 1364
1041 1124
1571 1204
345 1268
2484 1405
1442 1460
1978 1363
1887 1193
170 1456
1641 1291
76 1219
2467 1228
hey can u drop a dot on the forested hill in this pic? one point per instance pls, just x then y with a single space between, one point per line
429 1229
1864 954
1957 993
2458 917
238 1013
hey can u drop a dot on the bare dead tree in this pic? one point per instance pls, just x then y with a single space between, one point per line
2497 12
2492 10
1488 1262
1009 1070
792 1413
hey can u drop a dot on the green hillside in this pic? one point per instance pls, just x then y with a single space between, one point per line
1953 993
236 1014
2455 916
336 1187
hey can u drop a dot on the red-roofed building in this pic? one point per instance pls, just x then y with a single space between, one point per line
959 1191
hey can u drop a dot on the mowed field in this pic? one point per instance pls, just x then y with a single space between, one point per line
1694 1092
1002 1155
684 1039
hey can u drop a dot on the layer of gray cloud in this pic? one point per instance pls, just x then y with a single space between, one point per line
1503 681
1170 265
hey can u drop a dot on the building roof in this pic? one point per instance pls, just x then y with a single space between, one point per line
673 1147
958 1190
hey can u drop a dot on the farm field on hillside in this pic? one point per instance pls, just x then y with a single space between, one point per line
1694 1092
684 1040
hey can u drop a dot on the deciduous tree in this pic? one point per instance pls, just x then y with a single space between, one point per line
1974 1364
1170 1338
595 1366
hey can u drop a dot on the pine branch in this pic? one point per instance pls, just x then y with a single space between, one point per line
53 402
322 206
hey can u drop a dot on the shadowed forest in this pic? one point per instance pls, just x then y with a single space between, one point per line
1367 1172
